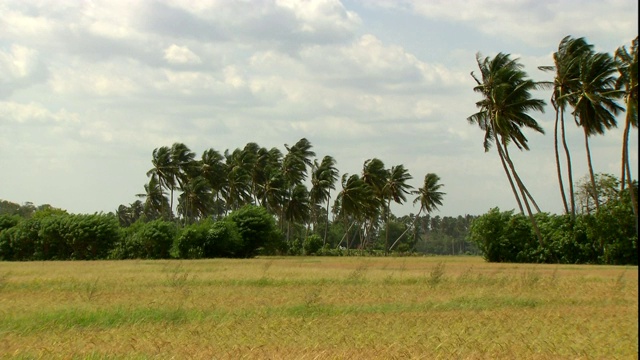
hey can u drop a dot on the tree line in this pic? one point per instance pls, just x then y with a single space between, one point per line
591 86
296 189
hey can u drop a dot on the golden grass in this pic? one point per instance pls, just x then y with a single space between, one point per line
317 308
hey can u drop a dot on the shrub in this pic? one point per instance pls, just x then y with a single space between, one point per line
257 230
152 240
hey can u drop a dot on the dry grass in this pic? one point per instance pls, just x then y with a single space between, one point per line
317 308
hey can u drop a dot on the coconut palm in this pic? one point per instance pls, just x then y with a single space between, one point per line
504 108
323 179
628 80
429 197
196 200
395 188
595 107
238 188
356 200
294 168
164 171
298 208
566 80
156 204
213 169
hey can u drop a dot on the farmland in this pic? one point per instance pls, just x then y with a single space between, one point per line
317 308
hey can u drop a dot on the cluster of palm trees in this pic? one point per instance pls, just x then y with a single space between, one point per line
218 183
587 82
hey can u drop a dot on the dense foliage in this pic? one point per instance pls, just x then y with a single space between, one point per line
255 200
607 236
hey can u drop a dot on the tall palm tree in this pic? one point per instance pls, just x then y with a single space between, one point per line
238 189
323 179
503 113
156 203
271 189
395 188
294 168
595 107
196 201
164 171
567 72
375 175
356 200
298 208
628 80
429 196
213 169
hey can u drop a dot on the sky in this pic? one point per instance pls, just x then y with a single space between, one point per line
88 89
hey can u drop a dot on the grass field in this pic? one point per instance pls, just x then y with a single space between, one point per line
317 308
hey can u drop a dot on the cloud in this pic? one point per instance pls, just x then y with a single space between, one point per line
20 67
175 54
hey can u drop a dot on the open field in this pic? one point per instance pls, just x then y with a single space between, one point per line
317 308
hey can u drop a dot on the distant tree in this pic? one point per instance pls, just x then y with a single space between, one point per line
628 80
395 188
506 100
595 107
566 81
429 197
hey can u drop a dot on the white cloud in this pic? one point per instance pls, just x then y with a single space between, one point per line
175 54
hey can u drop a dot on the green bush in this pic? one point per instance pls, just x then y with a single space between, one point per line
606 237
311 245
152 240
257 230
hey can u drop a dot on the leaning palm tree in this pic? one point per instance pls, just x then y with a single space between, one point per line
567 72
323 179
429 197
164 172
503 113
213 169
238 186
628 80
156 204
395 188
196 201
595 107
356 200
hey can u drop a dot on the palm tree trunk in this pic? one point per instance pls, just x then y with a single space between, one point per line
534 224
625 153
326 225
386 240
572 198
519 181
405 230
626 170
591 175
559 170
506 171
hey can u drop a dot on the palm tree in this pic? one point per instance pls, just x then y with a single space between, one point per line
628 80
566 80
356 201
238 189
323 179
429 197
375 175
595 107
164 172
504 111
196 201
156 204
294 168
298 207
213 169
395 188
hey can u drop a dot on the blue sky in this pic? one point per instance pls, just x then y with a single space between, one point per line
89 89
